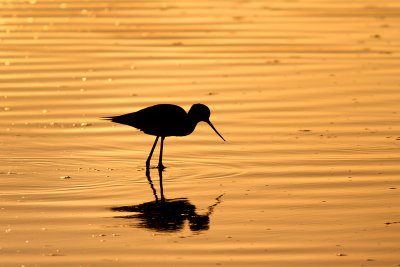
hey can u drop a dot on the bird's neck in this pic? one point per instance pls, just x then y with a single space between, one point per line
191 125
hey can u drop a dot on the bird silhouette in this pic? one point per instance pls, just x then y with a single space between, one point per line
164 120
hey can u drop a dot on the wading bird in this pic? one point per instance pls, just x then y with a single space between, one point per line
165 120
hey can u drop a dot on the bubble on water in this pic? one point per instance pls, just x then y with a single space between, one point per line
54 254
341 254
44 111
164 6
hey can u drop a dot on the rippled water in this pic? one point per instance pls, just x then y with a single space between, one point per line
305 92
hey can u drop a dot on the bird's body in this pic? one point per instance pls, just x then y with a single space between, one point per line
159 120
164 120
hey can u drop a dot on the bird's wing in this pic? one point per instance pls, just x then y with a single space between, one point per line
162 119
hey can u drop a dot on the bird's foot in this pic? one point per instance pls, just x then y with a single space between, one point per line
161 167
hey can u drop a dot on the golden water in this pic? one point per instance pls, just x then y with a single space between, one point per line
306 93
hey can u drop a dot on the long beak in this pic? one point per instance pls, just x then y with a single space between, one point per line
212 126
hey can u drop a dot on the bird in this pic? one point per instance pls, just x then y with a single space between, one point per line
164 120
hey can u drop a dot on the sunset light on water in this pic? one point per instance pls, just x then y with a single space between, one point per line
306 94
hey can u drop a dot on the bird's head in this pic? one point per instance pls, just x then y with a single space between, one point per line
200 112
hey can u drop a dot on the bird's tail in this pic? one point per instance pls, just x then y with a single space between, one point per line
122 119
108 118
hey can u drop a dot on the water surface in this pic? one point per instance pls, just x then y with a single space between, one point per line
305 92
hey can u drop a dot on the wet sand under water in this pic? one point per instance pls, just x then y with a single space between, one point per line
306 93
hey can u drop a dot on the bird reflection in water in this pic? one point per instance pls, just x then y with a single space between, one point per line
167 215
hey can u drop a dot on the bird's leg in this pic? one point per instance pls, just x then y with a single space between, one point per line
151 153
160 165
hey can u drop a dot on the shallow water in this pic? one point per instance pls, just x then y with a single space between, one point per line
305 92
